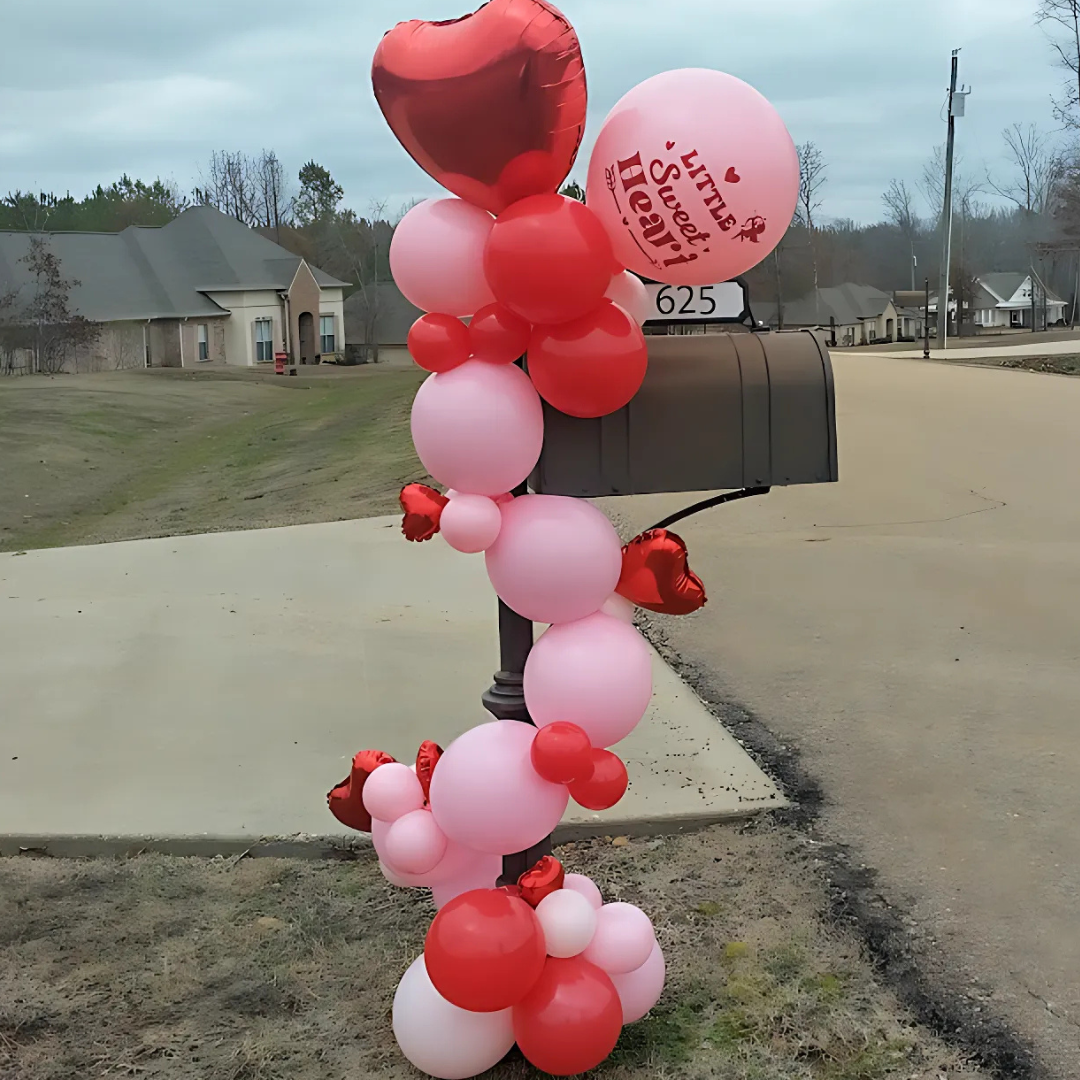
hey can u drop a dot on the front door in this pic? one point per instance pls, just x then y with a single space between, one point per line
307 338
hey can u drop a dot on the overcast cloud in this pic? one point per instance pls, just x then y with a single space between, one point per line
90 89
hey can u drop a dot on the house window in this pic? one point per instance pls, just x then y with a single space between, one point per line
326 334
264 341
204 342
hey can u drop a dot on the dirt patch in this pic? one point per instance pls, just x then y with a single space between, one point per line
159 453
267 969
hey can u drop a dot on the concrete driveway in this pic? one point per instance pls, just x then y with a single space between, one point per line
915 629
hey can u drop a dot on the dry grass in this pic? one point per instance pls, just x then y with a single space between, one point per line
157 453
277 970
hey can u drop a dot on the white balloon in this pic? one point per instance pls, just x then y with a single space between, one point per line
579 883
639 990
569 922
439 1038
629 292
623 940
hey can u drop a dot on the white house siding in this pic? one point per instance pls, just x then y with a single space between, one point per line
245 308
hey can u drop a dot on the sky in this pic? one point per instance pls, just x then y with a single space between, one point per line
92 89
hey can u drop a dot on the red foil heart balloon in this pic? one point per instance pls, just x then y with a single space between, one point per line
427 757
423 508
491 105
542 880
656 575
346 801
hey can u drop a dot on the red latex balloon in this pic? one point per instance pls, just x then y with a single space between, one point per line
491 105
561 752
592 366
571 1019
439 342
656 574
548 259
605 787
485 950
497 335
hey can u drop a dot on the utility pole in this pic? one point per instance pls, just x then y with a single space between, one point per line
956 108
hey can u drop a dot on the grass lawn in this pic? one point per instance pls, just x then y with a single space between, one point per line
266 969
134 454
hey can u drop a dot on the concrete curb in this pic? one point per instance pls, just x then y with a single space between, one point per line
302 846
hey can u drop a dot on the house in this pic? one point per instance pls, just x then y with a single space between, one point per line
377 323
1004 301
203 288
860 314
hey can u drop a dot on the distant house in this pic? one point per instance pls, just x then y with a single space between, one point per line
1004 302
859 314
377 323
203 288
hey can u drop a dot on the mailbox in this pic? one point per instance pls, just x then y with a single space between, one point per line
716 411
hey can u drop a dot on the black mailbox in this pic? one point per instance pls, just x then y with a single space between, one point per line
716 411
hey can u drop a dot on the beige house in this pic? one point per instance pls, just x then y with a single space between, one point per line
204 288
857 314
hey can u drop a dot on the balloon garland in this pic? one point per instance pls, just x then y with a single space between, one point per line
694 180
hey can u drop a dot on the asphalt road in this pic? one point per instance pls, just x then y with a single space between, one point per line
915 631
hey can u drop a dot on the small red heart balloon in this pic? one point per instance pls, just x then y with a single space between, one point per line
427 757
656 574
542 880
492 105
346 801
423 508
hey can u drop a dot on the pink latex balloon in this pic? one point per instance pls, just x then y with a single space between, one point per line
478 429
579 883
482 875
414 843
568 920
623 940
437 256
486 795
629 292
694 176
596 673
392 791
458 862
556 560
639 990
470 523
618 607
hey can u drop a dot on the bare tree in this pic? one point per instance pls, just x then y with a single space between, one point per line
932 183
45 327
1037 169
812 169
900 209
272 202
366 244
230 185
1060 20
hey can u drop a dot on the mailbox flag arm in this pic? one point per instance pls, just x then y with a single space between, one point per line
708 504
